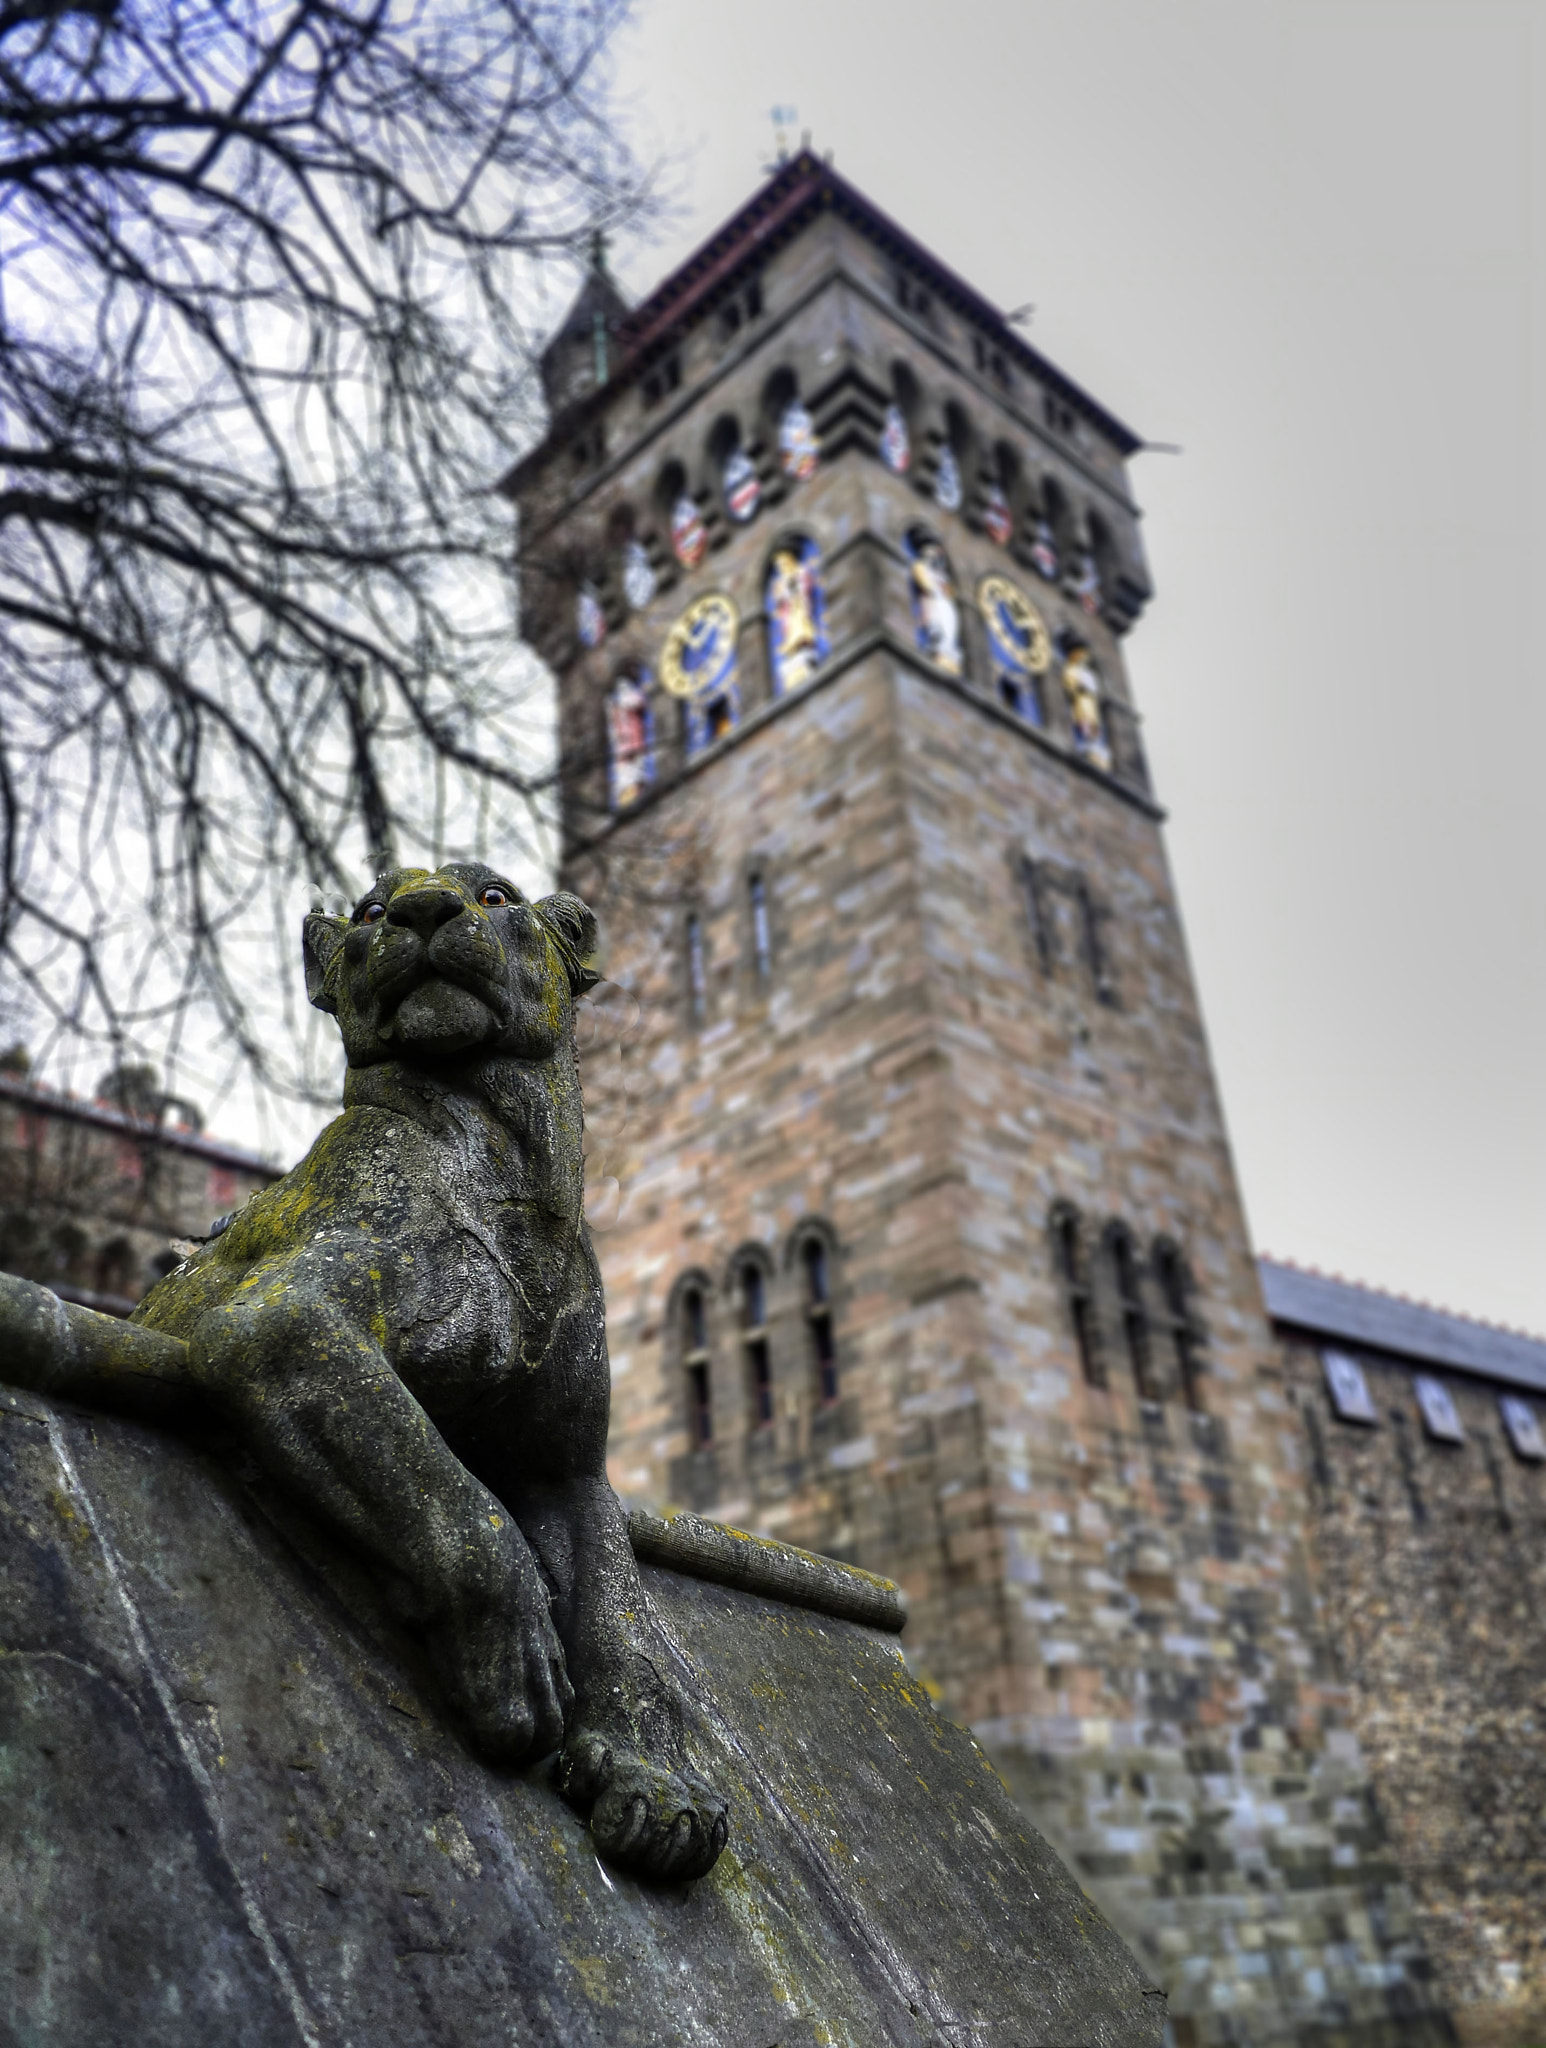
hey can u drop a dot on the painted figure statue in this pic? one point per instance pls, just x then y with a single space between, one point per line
407 1332
936 613
1086 714
797 640
630 740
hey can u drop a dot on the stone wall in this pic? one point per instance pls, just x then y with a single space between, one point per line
91 1196
1430 1564
234 1809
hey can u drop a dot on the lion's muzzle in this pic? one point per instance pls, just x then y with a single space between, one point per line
439 972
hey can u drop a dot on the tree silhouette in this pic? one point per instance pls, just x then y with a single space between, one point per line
267 274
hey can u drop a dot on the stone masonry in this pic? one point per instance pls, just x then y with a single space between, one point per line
1431 1574
920 1232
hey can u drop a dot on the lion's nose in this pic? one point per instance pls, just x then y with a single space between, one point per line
425 910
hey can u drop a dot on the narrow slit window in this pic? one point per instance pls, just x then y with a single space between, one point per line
754 1330
697 973
762 943
1033 892
1069 1257
818 1315
1091 918
1175 1284
695 1357
1135 1320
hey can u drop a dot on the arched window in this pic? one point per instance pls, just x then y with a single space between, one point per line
630 738
795 601
1104 555
811 1255
954 465
694 1336
896 434
1069 1262
752 1292
1177 1289
792 428
998 513
115 1267
740 486
1134 1317
680 516
1085 581
936 608
1047 531
634 570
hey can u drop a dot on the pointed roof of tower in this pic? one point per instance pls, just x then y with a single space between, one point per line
598 310
794 193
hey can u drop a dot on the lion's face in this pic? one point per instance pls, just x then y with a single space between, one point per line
432 966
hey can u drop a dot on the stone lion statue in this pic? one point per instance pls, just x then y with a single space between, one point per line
408 1333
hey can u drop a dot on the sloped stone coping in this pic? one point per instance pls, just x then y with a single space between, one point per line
759 1564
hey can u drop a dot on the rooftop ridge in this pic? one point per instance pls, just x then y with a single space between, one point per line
801 186
1436 1308
1350 1311
106 1116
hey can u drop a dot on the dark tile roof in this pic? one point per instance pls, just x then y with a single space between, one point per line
1329 1308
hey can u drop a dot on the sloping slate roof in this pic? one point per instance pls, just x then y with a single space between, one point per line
1316 1303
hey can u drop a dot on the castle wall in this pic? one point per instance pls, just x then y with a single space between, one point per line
1430 1567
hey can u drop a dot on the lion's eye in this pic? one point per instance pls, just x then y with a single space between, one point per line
494 899
373 913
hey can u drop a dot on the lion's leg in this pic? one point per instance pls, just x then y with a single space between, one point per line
312 1395
624 1763
56 1347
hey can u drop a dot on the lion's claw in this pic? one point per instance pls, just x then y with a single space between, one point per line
661 1823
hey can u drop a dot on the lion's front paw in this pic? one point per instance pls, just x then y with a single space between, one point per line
506 1670
662 1822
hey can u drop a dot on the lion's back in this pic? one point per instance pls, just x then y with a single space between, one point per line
357 1181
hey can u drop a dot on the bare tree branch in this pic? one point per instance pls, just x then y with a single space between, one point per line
266 274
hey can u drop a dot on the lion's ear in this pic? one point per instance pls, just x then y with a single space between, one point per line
321 938
573 924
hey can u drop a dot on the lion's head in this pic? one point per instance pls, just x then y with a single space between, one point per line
428 967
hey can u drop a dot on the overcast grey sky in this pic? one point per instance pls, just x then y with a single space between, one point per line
1305 241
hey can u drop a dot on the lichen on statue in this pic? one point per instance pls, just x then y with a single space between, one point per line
408 1333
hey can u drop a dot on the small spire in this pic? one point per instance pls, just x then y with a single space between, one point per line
783 119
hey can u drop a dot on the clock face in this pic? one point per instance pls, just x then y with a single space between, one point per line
1021 642
698 658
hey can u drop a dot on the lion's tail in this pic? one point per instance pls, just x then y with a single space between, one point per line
54 1347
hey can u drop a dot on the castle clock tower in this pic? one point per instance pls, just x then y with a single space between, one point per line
921 1236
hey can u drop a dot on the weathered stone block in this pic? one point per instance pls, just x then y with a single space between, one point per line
231 1810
